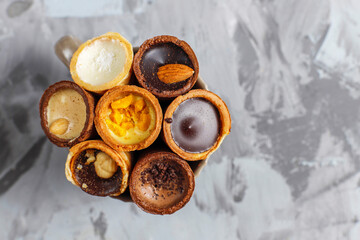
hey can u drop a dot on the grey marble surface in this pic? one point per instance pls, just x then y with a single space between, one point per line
289 72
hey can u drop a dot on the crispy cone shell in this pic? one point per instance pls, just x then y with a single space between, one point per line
101 113
224 119
122 79
122 159
167 94
89 128
135 182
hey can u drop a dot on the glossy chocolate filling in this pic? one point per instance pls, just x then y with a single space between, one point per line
157 56
195 125
90 182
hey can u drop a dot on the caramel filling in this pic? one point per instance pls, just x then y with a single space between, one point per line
162 184
66 114
131 119
161 198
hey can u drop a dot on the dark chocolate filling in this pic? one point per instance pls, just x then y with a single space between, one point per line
195 125
163 175
86 174
159 55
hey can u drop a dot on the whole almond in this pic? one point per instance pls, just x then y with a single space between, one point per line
173 73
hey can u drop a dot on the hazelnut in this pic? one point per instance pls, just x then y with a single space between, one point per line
59 127
105 166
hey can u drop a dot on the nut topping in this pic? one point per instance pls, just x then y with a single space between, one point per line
90 154
105 166
173 73
59 127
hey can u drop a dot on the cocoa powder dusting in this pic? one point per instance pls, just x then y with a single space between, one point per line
163 176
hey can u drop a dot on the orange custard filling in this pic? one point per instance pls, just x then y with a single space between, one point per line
131 119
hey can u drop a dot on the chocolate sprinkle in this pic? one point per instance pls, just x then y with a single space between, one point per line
168 120
163 176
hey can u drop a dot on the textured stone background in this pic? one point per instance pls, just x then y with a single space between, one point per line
289 72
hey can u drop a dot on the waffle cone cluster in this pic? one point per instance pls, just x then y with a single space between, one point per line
138 125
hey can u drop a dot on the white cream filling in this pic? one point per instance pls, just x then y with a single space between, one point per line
101 61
